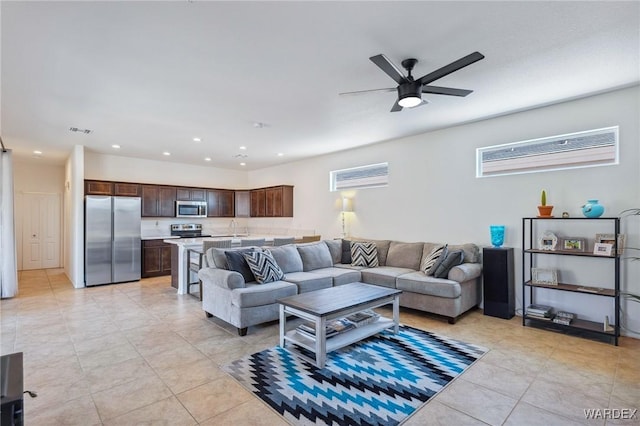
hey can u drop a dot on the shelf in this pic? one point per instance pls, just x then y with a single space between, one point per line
576 288
571 218
578 324
568 253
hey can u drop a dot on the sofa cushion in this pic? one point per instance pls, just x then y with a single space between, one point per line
430 259
287 257
309 281
453 258
364 254
216 257
417 282
340 276
383 248
335 248
346 252
384 275
405 255
314 256
237 262
264 266
471 252
262 294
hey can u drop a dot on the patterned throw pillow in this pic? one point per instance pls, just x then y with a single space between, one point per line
364 254
439 260
430 260
453 258
263 266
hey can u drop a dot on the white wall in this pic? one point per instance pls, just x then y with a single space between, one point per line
33 177
74 217
434 195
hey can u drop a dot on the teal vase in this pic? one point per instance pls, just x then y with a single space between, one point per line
592 209
497 235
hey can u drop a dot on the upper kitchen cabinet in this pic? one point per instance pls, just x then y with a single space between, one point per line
191 194
220 203
96 187
275 201
243 203
158 201
122 189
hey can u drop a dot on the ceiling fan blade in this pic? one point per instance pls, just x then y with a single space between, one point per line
437 90
452 67
359 92
396 107
387 66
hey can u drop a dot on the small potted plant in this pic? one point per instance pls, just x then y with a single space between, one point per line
543 208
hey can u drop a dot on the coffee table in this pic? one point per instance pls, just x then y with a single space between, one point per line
327 304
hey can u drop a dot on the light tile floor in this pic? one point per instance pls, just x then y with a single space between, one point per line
137 353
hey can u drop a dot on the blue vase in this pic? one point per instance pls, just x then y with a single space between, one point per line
497 235
592 209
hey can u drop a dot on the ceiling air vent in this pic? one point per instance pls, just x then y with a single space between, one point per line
371 176
79 130
574 150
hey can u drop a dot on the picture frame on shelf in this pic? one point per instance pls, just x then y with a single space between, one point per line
610 239
542 276
574 244
548 241
603 249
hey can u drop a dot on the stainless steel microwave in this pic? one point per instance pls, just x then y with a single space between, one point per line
191 209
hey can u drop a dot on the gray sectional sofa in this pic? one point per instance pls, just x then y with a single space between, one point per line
227 295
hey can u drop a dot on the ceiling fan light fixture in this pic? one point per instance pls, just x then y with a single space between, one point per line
410 101
409 94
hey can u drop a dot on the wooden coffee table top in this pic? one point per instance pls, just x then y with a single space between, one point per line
330 300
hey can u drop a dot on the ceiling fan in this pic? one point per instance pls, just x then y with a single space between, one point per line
410 90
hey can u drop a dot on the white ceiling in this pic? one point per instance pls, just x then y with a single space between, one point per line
151 76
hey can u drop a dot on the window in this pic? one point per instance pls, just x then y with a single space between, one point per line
575 150
370 176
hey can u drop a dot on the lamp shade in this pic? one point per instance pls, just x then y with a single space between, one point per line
347 205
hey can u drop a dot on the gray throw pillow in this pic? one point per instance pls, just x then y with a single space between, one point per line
237 262
315 256
453 258
443 255
335 248
346 252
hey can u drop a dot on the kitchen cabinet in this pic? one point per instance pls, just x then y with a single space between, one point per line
158 201
275 201
156 258
95 187
122 189
220 203
243 203
190 194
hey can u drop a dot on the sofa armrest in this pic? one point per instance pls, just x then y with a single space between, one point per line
465 272
222 278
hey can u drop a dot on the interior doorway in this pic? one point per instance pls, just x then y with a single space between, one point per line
41 230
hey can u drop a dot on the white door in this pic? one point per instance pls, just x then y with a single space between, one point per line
41 231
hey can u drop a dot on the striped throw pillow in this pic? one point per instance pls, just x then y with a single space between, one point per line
364 253
430 261
263 266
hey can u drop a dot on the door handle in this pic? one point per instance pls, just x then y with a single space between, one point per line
34 235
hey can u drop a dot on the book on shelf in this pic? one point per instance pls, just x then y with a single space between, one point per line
563 314
562 320
539 311
332 328
363 318
538 316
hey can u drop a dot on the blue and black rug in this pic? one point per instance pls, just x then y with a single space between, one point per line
379 381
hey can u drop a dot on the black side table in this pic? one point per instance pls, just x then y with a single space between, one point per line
11 390
498 278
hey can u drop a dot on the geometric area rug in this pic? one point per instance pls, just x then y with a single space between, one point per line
381 380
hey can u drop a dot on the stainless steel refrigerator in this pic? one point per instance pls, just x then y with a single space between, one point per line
112 239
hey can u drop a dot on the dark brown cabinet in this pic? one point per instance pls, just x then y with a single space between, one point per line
243 203
191 194
95 187
158 201
220 203
126 189
156 258
275 201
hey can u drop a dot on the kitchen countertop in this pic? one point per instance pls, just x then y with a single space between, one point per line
196 242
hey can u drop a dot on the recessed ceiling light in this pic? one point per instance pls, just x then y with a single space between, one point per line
37 152
259 125
207 158
166 153
243 164
115 146
280 154
197 140
243 148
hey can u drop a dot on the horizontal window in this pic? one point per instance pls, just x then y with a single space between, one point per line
371 176
583 149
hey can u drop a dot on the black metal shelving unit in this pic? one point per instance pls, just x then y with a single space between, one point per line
579 327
